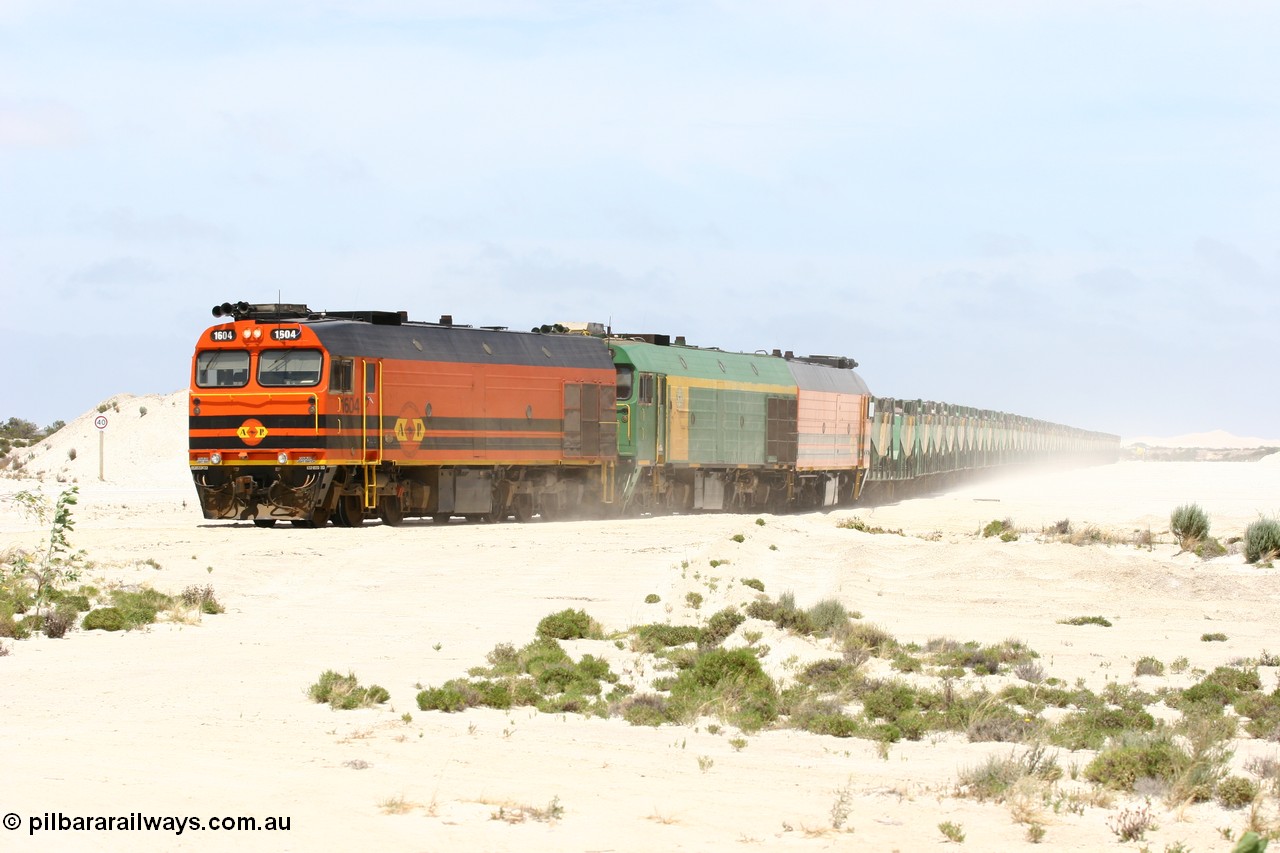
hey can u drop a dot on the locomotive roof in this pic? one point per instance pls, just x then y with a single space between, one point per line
431 342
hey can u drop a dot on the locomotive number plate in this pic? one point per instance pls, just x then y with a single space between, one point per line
286 334
222 335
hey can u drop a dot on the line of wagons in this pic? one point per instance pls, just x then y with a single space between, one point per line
311 417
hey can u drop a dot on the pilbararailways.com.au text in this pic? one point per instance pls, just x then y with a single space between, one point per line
140 822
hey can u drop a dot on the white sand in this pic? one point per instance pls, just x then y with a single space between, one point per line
212 719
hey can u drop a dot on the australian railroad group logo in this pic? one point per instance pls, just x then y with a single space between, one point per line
252 432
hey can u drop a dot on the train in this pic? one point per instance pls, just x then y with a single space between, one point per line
317 417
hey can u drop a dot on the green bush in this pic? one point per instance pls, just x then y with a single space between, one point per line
720 626
647 709
1148 666
1262 540
754 583
567 625
732 683
651 638
448 698
1086 620
827 617
343 692
1128 759
1189 523
139 607
652 598
105 619
1236 791
996 528
1090 728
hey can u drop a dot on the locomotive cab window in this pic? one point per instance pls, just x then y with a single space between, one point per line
222 369
341 376
646 388
626 374
279 368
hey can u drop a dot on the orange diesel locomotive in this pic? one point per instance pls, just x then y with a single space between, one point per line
311 417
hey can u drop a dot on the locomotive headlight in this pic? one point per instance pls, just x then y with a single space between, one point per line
257 334
216 458
246 334
282 458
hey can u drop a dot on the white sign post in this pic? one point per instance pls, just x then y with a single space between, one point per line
101 423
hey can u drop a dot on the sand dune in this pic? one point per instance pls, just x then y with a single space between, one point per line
211 719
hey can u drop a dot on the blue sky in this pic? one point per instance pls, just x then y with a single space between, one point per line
1068 210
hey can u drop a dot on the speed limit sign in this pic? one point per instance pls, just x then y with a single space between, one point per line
100 421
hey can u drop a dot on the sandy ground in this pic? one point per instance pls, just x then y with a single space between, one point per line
212 719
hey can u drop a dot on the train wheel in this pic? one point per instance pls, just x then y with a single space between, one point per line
264 522
391 512
350 512
441 518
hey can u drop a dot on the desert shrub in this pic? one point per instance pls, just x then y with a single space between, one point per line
693 599
343 692
58 622
729 683
1000 724
568 625
106 619
1131 824
1263 711
651 638
71 454
202 597
904 662
139 607
861 526
1213 637
833 723
1029 671
754 583
869 636
1148 666
827 616
997 528
72 600
1262 540
738 537
1127 759
652 598
833 675
1189 523
720 626
448 698
992 778
784 613
646 709
1086 620
1236 791
1089 728
1218 689
1208 548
